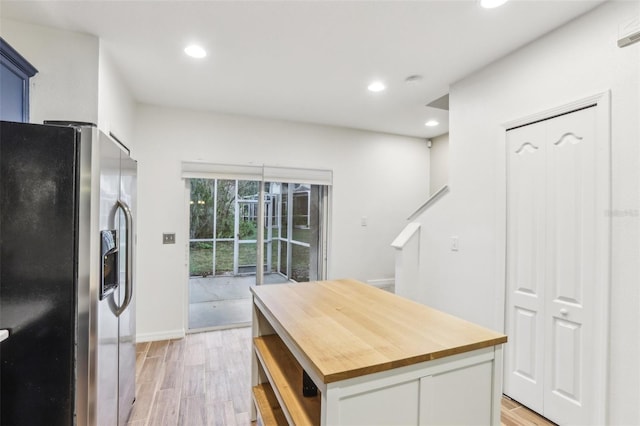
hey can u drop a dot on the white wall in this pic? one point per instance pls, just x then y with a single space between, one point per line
66 85
76 78
576 61
439 165
116 107
380 176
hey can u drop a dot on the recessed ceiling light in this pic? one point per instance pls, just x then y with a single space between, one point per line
431 123
490 4
195 51
376 86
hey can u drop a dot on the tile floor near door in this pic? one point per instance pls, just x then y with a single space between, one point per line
204 379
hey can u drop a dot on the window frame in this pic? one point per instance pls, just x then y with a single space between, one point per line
18 65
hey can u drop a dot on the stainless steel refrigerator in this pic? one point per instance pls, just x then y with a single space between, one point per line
67 255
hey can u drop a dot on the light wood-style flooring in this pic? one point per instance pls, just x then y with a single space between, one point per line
514 414
204 379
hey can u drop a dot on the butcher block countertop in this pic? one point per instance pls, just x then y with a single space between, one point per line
348 329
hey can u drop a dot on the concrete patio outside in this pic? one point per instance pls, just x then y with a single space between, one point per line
223 301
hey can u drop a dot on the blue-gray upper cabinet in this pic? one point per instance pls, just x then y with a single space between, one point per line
15 73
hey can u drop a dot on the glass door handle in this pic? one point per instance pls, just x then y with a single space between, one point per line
128 282
4 334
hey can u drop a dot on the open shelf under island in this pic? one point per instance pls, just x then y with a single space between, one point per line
375 358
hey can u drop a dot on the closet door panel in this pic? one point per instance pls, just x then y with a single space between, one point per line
525 264
571 260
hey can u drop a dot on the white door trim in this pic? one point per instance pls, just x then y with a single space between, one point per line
603 133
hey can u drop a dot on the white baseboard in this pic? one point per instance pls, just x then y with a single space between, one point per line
388 284
161 335
382 282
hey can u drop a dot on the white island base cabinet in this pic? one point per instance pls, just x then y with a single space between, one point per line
365 374
455 392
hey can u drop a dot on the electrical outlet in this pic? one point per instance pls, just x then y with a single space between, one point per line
169 238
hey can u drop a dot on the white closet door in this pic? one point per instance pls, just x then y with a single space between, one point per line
573 214
524 373
556 252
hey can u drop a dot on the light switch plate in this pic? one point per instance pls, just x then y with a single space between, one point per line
454 244
168 238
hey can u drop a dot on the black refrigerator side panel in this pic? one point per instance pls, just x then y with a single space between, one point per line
38 226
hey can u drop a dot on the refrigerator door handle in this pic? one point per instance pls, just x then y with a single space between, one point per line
128 289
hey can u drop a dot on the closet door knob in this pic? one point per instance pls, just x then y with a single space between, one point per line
564 312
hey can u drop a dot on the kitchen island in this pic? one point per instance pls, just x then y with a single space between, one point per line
375 358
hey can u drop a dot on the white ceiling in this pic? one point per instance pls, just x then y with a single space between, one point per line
308 61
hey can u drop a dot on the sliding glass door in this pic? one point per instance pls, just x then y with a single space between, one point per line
294 242
212 239
224 225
